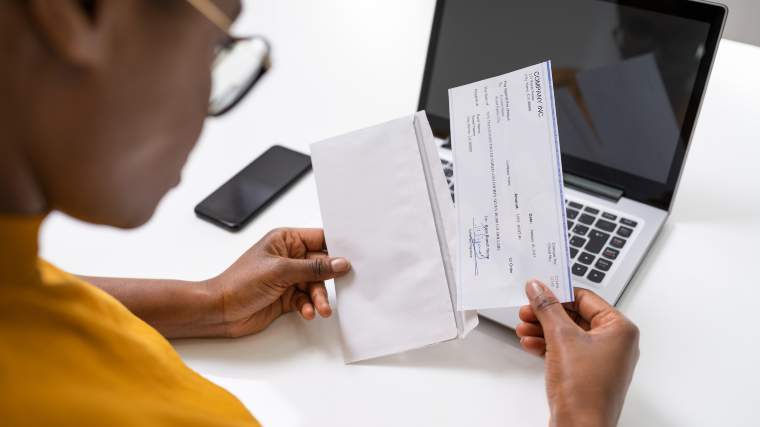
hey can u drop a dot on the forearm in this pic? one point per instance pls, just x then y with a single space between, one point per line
177 309
579 420
587 413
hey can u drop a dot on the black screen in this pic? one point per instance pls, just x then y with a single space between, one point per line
241 197
625 77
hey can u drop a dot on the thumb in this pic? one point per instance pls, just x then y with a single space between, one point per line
312 269
546 307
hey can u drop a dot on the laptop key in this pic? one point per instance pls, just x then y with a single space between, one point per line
628 222
571 214
617 242
603 265
586 258
579 270
570 225
573 252
596 276
596 241
606 225
577 241
586 219
609 216
624 232
580 230
611 253
575 205
591 210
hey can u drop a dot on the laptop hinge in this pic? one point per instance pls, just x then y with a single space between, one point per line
592 187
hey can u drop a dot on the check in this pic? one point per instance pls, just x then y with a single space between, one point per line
509 189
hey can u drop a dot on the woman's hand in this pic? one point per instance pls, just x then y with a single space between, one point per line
285 271
591 351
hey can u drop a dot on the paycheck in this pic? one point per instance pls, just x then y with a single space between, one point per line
509 189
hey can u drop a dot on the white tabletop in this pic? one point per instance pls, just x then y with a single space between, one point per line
343 65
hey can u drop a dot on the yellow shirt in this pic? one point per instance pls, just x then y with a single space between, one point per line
70 354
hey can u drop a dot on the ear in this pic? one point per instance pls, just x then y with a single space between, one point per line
70 28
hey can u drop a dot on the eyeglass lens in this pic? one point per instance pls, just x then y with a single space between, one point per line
234 72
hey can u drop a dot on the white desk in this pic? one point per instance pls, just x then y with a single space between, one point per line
341 65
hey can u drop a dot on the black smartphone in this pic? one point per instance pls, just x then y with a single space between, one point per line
241 198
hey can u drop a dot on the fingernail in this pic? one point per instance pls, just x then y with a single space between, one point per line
535 288
325 310
339 265
307 311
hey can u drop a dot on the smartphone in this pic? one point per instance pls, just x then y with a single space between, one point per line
246 194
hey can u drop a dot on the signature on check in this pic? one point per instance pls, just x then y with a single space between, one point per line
478 240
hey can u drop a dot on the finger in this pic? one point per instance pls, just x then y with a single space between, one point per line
529 330
591 306
527 315
306 287
318 294
546 307
576 317
300 302
312 238
534 345
288 300
316 269
307 311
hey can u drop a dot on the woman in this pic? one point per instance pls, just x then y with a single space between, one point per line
101 103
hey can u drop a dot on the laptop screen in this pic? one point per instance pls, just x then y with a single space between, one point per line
628 76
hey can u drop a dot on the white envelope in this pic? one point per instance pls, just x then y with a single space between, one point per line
386 207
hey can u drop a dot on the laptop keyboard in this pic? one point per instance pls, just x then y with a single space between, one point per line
448 170
597 237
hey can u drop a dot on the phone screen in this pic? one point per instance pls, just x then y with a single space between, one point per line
244 195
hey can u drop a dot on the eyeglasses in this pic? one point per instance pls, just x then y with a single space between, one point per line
238 64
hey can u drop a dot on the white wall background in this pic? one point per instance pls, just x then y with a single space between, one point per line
743 21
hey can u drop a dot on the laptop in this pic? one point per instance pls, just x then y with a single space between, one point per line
630 77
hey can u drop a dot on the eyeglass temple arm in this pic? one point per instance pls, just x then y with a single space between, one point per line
213 13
